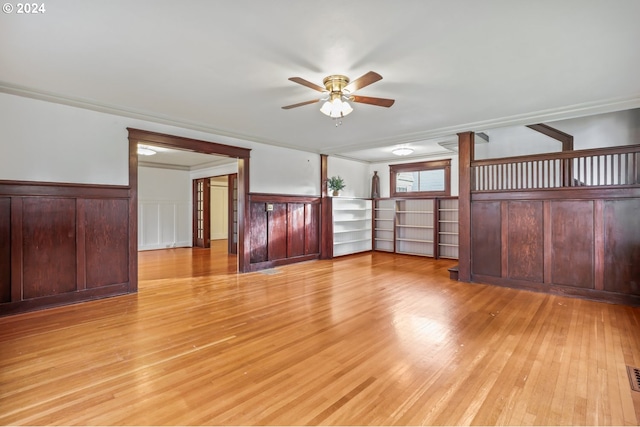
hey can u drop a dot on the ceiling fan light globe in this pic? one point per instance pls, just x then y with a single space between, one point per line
326 108
336 108
346 108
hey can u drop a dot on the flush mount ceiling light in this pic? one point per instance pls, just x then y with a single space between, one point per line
402 151
337 94
145 151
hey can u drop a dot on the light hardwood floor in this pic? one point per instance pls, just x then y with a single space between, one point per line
373 339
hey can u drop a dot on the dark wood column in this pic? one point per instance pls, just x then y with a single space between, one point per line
565 139
465 157
326 240
244 217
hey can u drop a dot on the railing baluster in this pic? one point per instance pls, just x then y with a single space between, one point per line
617 166
493 177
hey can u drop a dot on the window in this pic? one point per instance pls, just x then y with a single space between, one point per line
423 179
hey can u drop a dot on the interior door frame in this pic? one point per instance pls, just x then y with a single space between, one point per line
205 241
232 185
137 136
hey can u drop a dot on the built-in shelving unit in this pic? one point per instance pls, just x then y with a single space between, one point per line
427 227
352 221
384 230
448 228
414 227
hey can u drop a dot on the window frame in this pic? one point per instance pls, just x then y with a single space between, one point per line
444 165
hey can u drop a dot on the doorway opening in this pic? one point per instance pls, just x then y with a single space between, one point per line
241 156
215 211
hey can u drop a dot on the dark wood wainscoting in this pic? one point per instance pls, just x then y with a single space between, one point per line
62 243
284 229
588 246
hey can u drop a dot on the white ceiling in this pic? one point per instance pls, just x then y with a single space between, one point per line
222 66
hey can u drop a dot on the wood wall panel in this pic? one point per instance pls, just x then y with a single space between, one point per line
486 238
525 240
277 232
311 228
48 246
258 232
622 246
572 243
295 229
5 249
286 234
582 243
63 243
106 242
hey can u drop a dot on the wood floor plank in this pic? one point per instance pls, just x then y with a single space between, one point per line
368 339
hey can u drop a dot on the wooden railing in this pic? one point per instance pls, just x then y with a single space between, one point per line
601 167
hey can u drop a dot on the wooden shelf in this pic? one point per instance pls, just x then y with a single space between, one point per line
425 227
352 225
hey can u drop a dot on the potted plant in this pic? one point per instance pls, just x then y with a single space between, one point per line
335 184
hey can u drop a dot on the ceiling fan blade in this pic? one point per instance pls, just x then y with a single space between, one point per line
363 81
381 102
300 104
307 83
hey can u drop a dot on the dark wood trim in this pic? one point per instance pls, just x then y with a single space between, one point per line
561 155
171 141
244 216
257 266
465 157
326 226
199 146
282 198
62 189
232 179
64 299
611 192
558 135
590 294
420 166
133 216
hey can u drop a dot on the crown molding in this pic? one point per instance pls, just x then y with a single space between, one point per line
92 105
549 115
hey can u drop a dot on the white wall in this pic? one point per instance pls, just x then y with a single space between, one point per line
355 175
514 141
597 131
41 141
385 178
603 130
45 141
282 171
164 208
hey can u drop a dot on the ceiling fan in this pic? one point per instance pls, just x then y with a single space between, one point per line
337 92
